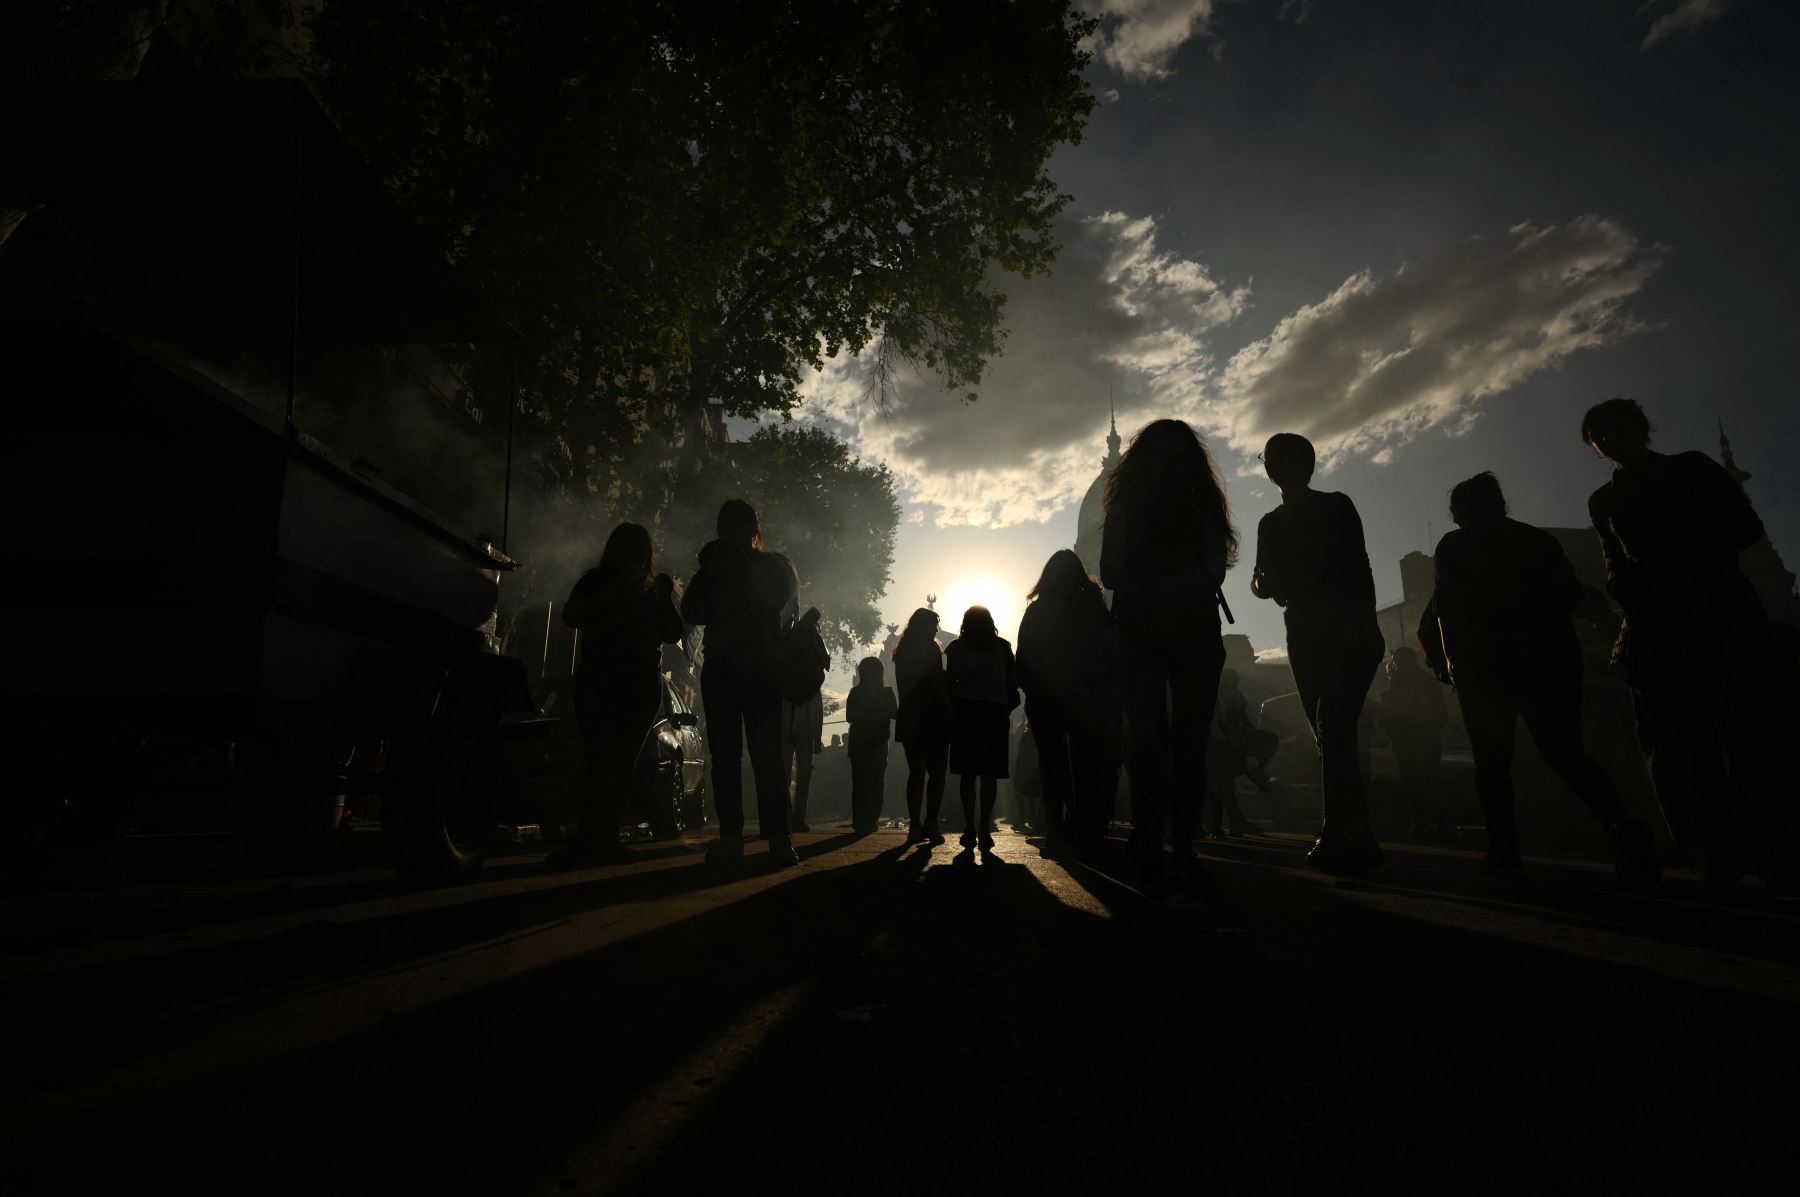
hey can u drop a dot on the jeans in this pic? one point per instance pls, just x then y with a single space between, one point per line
614 715
1334 666
868 783
743 706
1551 709
1078 761
927 765
1170 692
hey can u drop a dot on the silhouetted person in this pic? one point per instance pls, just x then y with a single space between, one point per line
1166 545
869 708
984 689
1068 664
1413 714
1227 758
1311 560
1500 625
626 613
1695 644
922 725
739 594
803 741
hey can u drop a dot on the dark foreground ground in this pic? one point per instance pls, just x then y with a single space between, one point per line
884 1021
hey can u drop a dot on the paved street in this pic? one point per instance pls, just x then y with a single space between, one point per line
882 1020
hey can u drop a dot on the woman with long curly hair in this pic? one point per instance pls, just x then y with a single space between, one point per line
1168 541
984 689
922 723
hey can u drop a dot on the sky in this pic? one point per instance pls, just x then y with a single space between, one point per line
1425 235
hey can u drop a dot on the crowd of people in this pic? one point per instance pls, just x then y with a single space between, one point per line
1140 683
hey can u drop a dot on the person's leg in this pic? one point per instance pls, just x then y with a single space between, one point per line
1096 779
762 733
725 749
1491 716
937 771
803 774
1194 693
966 786
1056 774
1552 715
990 790
916 772
1146 681
1344 690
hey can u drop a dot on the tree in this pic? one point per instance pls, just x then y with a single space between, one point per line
832 515
681 203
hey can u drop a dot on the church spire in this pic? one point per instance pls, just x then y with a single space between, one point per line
1113 441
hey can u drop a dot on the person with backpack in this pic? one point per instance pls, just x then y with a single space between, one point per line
626 612
922 723
869 708
1499 627
1068 664
984 689
738 595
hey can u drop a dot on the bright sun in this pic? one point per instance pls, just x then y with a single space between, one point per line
970 590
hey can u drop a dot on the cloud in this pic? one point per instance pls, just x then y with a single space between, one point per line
1380 360
1137 38
1119 316
1687 16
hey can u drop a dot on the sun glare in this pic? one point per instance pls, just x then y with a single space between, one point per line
982 589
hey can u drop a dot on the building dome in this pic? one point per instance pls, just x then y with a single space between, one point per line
1090 521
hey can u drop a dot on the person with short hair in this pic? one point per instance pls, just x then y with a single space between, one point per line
1695 645
1500 627
739 594
984 688
1312 562
869 709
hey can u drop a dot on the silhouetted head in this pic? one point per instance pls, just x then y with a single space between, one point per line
1476 502
868 672
1165 475
1228 680
1403 660
978 626
628 555
1288 459
1617 429
737 524
922 626
1064 575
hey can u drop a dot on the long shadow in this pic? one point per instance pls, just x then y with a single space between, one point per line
122 1010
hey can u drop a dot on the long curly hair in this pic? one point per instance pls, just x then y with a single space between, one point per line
628 556
1167 474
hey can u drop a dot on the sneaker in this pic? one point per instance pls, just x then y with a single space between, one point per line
781 853
987 842
725 852
932 834
968 839
798 825
1503 866
1635 866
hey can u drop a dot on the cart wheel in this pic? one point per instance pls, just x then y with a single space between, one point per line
441 812
693 808
665 820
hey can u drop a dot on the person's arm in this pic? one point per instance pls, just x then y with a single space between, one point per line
696 599
665 617
1265 577
1561 589
1359 578
1112 549
1012 677
890 704
1622 574
1026 656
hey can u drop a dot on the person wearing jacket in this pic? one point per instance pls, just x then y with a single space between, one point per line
869 709
626 613
984 689
922 723
1499 626
738 595
1068 666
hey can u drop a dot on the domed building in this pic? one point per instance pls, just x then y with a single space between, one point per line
1091 520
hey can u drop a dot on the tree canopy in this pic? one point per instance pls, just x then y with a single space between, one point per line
681 203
